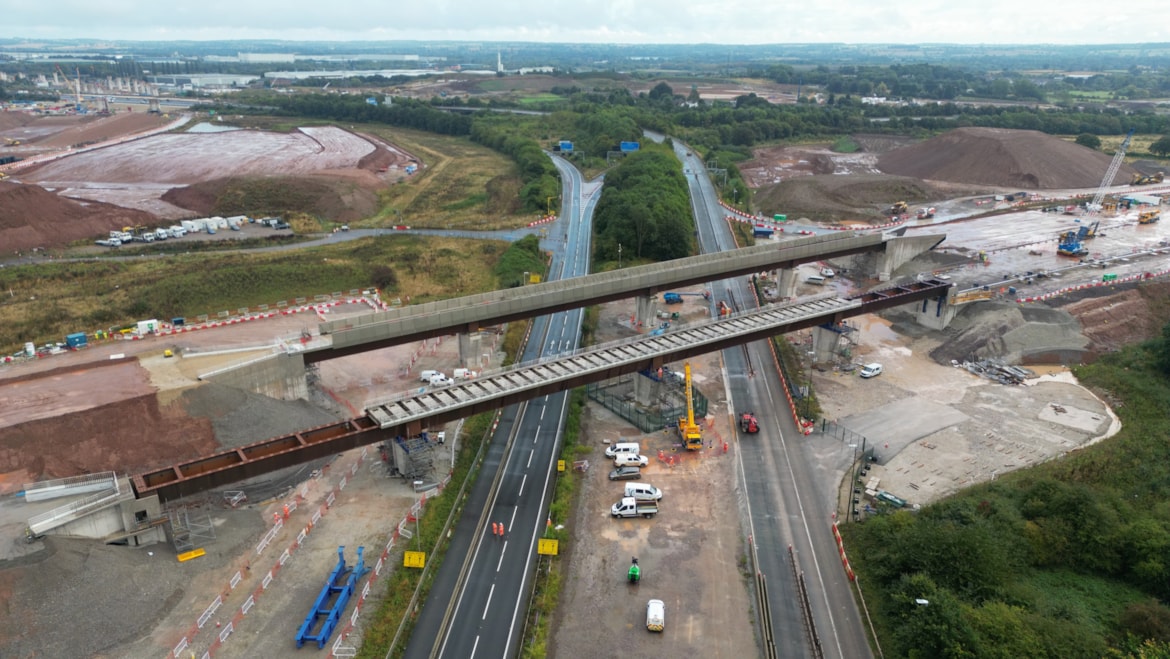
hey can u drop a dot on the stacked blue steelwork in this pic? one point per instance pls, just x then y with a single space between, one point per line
331 602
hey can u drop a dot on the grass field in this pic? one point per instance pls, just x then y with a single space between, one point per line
45 302
462 186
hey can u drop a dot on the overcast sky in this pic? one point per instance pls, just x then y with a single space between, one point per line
596 21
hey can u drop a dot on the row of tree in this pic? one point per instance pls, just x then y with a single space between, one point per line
645 209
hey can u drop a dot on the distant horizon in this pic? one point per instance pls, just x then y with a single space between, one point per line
106 41
730 23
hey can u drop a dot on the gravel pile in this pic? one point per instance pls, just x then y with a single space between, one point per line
241 417
82 598
1009 332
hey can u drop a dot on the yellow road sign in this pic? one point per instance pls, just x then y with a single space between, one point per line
547 546
560 465
414 559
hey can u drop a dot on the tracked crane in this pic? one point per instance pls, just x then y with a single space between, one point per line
1095 205
688 430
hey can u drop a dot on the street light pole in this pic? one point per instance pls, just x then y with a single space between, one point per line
619 256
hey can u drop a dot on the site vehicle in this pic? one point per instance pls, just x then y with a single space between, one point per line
671 298
631 507
630 460
614 450
925 213
871 370
899 208
748 423
643 492
688 430
440 380
1147 179
655 615
627 473
634 574
1148 217
426 376
1069 245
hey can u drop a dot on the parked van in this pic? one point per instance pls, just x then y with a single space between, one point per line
815 280
614 450
441 380
463 374
426 376
643 492
630 459
655 615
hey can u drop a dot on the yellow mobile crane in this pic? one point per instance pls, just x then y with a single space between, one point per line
688 430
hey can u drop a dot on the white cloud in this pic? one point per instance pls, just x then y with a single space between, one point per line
605 21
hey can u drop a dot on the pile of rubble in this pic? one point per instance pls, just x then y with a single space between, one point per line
996 370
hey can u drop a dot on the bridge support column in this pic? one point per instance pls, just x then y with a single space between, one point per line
644 313
645 390
825 343
469 349
935 314
786 284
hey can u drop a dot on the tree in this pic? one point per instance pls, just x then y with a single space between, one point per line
1090 140
1161 146
1162 351
660 91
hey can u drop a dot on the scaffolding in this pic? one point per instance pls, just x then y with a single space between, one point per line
187 529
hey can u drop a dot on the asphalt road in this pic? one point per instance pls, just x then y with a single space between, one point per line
779 469
487 611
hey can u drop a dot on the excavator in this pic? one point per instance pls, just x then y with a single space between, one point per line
899 208
688 430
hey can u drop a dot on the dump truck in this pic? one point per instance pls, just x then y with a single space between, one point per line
688 430
899 208
748 423
631 507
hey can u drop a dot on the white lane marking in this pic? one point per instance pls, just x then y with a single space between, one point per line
488 605
502 556
522 482
530 453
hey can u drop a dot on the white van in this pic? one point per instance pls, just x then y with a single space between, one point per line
463 374
655 615
816 280
614 450
441 380
643 492
426 376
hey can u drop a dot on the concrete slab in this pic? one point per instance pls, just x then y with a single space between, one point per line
894 426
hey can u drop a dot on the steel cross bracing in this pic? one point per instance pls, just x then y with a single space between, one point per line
609 358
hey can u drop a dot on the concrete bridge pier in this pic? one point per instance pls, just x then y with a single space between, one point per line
646 391
644 312
470 343
935 313
786 284
901 250
826 340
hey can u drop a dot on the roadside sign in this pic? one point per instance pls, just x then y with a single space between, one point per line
560 465
547 546
414 559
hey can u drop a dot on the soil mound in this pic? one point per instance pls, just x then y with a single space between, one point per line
325 197
1015 334
1003 157
830 197
31 216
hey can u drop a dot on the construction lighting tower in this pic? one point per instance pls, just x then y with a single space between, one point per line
1095 205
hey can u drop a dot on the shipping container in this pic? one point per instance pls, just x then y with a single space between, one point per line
76 340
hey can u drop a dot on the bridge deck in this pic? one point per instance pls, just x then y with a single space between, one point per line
408 414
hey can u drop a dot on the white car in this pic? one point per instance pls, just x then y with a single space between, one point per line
441 380
871 370
630 460
827 272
